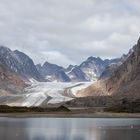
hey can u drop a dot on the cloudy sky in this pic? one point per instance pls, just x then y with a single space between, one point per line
68 31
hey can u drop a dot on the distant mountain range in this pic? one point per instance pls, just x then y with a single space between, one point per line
21 64
22 68
18 62
89 70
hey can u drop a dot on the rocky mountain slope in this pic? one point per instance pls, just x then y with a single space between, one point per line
53 72
124 80
76 74
10 83
93 67
90 70
19 63
113 66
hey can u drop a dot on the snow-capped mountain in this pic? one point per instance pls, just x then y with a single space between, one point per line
70 67
19 63
53 72
76 74
93 67
89 70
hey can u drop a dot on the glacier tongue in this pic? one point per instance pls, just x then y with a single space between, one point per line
51 92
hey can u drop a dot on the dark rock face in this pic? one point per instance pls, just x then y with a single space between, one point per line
38 67
62 76
108 71
28 67
69 68
76 74
96 65
49 69
53 72
114 64
125 80
19 63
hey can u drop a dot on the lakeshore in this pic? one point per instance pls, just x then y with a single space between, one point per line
70 115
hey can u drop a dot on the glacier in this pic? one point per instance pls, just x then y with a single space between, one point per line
49 92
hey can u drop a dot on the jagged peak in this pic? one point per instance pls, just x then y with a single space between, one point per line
48 63
39 64
4 48
93 58
19 53
71 66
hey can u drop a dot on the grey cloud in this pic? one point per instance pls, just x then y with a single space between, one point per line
69 30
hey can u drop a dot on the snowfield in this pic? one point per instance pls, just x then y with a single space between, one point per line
48 92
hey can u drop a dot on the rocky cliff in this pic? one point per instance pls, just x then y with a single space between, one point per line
124 80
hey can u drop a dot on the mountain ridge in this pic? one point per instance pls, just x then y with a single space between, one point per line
19 63
89 70
124 80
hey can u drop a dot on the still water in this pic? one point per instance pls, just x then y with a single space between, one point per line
69 129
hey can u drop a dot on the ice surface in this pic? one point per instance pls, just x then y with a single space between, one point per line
38 92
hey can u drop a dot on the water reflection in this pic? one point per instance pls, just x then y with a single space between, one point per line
14 130
69 129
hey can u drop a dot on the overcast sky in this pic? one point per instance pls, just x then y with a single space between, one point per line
68 31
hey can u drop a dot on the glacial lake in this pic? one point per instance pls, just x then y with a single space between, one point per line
69 129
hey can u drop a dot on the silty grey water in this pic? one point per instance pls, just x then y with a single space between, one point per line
69 129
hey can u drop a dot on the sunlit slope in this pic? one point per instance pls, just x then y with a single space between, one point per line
124 81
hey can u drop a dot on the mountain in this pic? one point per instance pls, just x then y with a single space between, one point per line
52 72
114 65
76 74
123 82
10 82
19 63
93 67
89 70
70 67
